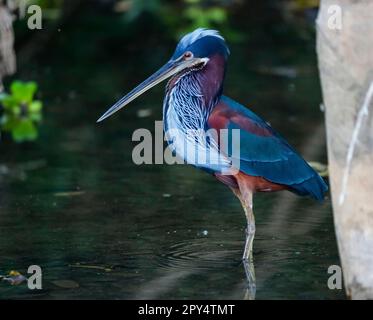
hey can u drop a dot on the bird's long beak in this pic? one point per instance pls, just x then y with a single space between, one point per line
168 70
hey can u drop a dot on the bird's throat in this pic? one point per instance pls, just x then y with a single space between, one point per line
191 96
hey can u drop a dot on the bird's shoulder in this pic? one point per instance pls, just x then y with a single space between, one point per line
229 114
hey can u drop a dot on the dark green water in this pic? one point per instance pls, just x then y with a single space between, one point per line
74 202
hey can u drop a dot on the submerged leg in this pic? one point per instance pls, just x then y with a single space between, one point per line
250 291
246 200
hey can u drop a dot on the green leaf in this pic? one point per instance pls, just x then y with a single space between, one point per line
21 113
14 110
23 92
36 117
35 106
25 130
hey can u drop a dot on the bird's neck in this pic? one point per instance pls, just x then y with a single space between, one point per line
190 97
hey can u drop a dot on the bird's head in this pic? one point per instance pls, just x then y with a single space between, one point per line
193 52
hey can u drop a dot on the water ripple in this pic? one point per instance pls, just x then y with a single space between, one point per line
196 254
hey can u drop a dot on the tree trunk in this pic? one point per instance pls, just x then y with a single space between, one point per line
345 54
7 56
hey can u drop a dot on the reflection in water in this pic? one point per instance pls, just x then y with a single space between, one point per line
182 261
251 280
162 285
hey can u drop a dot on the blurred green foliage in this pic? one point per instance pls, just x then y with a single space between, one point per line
21 112
180 16
305 4
135 8
200 15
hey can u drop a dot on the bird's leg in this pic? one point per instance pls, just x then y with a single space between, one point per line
247 258
246 198
247 204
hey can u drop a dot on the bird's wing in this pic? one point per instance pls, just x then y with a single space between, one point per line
263 152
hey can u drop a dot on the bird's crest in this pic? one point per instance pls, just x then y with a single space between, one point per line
197 34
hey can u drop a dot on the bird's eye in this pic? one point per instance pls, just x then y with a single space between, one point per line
188 55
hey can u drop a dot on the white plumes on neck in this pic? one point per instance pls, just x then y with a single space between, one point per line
186 108
185 121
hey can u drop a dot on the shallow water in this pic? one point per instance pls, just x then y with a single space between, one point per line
75 203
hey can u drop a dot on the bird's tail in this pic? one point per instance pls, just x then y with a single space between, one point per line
314 186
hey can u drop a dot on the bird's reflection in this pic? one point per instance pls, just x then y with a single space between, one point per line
250 287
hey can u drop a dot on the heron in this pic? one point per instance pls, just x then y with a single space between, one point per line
194 100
